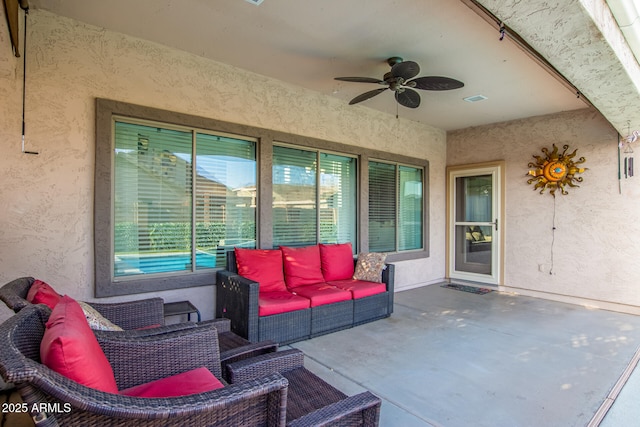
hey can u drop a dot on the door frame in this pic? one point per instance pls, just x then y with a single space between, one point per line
498 169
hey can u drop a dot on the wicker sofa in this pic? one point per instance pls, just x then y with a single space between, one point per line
316 292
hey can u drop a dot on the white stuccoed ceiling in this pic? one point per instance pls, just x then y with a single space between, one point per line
308 43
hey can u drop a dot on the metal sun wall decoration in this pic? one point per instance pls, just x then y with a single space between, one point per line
555 170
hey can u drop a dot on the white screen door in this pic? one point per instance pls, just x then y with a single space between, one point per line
474 224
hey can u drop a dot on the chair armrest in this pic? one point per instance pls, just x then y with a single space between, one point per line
133 314
237 300
366 402
222 325
228 402
136 333
266 364
137 360
388 277
14 293
247 351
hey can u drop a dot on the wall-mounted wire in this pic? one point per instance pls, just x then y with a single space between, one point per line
553 233
24 77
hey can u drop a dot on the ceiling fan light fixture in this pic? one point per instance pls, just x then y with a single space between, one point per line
475 98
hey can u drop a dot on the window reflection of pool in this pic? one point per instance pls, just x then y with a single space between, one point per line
126 265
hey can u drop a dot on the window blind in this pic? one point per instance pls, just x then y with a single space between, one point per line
382 207
338 199
294 197
152 206
225 210
410 210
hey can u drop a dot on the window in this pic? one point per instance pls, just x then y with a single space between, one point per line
153 194
338 199
311 207
181 197
395 207
226 195
174 192
155 184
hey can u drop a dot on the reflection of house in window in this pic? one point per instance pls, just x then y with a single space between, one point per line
168 160
246 196
143 144
211 200
146 196
294 213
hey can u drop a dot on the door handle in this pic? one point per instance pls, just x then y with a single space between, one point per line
496 224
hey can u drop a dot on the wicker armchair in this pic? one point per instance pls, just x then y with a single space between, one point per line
258 402
128 315
310 400
132 315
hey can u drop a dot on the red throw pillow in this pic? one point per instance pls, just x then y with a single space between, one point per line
263 266
42 293
337 261
302 266
196 381
70 348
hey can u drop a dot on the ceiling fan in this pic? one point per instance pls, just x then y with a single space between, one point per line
398 80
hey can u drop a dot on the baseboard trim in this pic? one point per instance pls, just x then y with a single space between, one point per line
419 285
584 302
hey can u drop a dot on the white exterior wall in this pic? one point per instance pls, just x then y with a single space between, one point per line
596 247
46 200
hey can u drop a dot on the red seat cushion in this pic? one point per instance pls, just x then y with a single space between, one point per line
263 266
301 266
322 293
360 288
70 348
42 293
196 381
279 302
336 261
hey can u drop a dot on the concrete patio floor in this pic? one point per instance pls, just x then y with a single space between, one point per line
452 358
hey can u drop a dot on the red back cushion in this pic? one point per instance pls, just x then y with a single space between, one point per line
337 261
70 348
196 381
42 293
263 266
302 266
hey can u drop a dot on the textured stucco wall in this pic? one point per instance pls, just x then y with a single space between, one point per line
583 42
596 241
47 200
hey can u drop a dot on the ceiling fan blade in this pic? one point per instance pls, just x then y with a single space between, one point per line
409 98
406 70
359 79
436 83
367 95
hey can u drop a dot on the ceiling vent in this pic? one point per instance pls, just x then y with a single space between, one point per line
475 98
